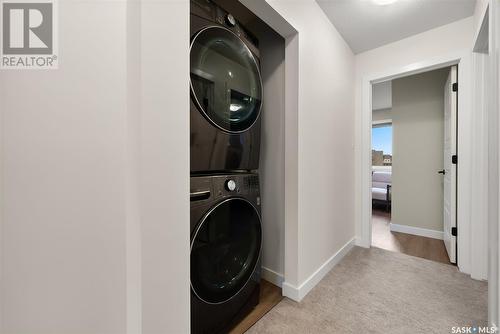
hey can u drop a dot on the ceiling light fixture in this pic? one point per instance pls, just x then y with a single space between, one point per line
384 2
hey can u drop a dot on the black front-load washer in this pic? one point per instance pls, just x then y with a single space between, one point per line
226 92
226 238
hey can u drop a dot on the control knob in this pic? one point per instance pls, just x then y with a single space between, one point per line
230 185
230 20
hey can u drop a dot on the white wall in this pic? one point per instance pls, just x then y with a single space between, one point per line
494 190
456 36
418 146
163 133
479 10
492 98
409 53
95 176
63 205
325 138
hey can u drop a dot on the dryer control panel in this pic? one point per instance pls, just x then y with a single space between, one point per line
227 19
209 10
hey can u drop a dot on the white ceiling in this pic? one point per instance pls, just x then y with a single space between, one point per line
365 25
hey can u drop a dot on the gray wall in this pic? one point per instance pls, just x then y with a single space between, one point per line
382 114
418 134
272 160
382 95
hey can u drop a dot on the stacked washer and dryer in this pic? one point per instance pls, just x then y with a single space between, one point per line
226 232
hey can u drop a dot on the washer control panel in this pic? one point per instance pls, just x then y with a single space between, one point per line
210 188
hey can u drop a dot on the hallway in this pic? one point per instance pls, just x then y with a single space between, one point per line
377 291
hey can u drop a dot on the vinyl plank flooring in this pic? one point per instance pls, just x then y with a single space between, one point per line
414 245
270 296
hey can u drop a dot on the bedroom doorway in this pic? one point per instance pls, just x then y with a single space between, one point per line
413 186
381 176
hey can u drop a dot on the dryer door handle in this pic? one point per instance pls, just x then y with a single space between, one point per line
199 195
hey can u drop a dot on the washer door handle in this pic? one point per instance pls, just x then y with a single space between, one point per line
199 195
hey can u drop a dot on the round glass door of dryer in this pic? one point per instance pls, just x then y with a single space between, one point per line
225 250
225 79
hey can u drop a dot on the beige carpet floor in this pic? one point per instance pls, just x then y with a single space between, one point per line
379 291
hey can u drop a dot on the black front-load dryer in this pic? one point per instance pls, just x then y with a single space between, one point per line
226 92
226 238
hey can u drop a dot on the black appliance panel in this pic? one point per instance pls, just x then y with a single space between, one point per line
228 139
226 237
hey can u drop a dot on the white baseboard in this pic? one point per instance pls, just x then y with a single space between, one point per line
272 276
298 293
290 291
423 232
359 241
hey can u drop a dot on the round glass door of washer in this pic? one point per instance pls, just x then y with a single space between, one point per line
225 79
225 250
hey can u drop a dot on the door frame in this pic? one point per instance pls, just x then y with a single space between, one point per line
481 62
464 183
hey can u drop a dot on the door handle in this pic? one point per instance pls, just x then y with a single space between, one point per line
442 172
199 195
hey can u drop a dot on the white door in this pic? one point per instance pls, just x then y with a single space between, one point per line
450 169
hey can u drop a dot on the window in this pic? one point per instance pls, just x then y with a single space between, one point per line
382 144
